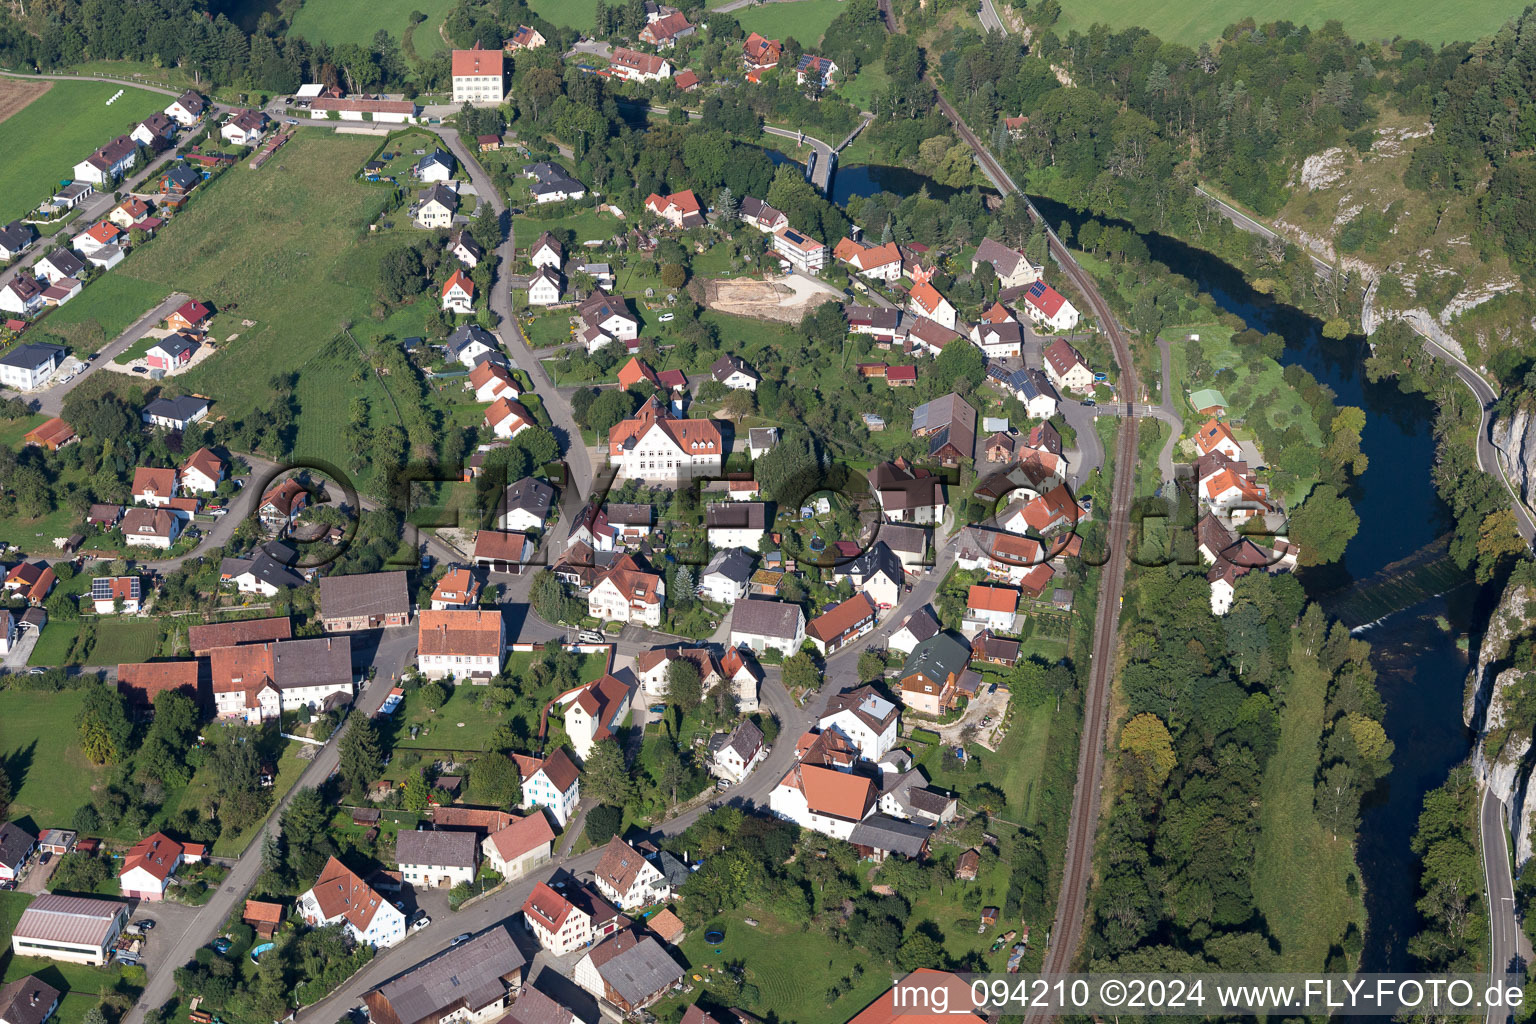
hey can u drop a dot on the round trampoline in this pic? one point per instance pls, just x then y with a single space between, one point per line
714 936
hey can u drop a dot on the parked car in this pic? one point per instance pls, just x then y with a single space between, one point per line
147 925
461 937
658 709
420 923
667 318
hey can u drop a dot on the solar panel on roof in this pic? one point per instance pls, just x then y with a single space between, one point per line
1037 289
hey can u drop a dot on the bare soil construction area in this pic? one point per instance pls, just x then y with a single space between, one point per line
784 300
17 93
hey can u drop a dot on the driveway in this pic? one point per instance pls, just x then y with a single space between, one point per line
21 650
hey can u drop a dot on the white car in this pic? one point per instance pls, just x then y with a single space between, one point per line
421 923
219 512
667 318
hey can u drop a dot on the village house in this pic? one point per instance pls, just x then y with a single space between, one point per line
568 919
629 972
170 353
479 77
820 72
656 447
606 319
129 212
680 209
281 505
108 163
524 38
15 239
876 262
949 424
725 579
633 66
738 753
735 373
108 591
800 250
339 896
361 108
459 293
907 494
525 844
1216 436
22 295
664 32
760 54
991 608
501 551
266 571
490 380
1014 269
150 528
914 629
457 589
32 581
823 799
463 247
154 487
551 784
473 982
999 341
244 128
59 265
1045 305
762 625
150 866
593 711
204 639
925 301
436 206
374 600
99 236
552 183
186 109
527 504
461 643
736 524
760 215
544 287
257 682
28 1000
547 253
470 344
930 676
653 668
154 131
842 624
626 879
627 593
433 859
175 413
1066 368
16 845
877 572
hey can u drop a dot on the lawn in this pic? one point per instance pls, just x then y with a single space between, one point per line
1192 22
581 14
53 646
107 306
461 724
344 21
805 20
123 640
41 143
300 285
580 226
792 969
870 81
1015 766
1300 871
39 741
83 986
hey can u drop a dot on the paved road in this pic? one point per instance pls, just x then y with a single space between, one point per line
395 646
1510 951
989 18
822 154
51 400
566 431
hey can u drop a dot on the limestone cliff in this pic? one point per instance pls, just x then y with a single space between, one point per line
1503 756
1515 436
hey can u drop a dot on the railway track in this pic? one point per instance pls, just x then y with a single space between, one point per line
1071 906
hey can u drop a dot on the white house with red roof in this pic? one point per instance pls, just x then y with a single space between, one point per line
245 128
459 293
479 76
97 237
633 66
656 447
627 593
341 897
626 879
507 418
1045 305
1216 436
149 867
1066 368
552 783
680 209
565 921
593 711
876 262
925 301
514 851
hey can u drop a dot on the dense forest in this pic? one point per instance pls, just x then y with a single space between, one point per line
1211 714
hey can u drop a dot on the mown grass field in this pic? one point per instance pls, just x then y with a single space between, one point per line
1193 21
1300 871
39 741
287 247
41 143
580 14
106 307
805 20
346 21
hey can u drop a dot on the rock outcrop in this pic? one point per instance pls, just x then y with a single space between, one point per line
1503 756
1515 436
